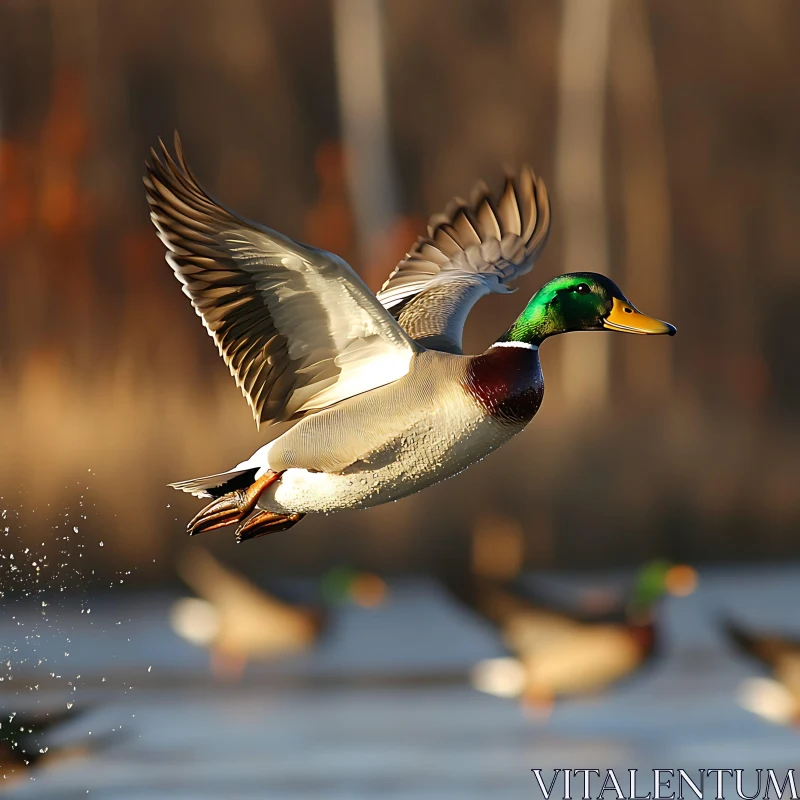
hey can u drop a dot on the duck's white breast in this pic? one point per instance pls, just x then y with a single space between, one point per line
437 442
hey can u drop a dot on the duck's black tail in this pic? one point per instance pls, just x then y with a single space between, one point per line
218 485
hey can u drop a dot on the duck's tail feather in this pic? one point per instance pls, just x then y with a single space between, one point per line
218 485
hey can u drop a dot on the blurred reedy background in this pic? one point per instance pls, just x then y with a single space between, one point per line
667 134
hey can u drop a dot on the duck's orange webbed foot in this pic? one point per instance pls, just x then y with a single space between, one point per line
264 522
231 507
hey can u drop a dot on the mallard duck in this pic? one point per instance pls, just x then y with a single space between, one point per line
24 739
239 622
561 653
385 401
777 699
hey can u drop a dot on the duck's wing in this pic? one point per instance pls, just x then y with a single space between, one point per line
222 587
299 330
501 604
473 249
585 607
768 648
504 603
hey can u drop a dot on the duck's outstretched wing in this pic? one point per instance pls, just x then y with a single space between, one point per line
299 330
473 249
525 626
768 648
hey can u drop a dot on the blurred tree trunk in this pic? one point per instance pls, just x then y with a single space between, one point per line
364 116
645 191
65 197
582 75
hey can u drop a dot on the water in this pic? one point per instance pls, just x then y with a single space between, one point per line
382 707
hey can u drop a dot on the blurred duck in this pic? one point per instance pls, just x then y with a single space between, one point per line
239 622
778 698
559 653
385 400
24 741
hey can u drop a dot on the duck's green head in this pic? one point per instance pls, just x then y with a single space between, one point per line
581 301
342 585
656 579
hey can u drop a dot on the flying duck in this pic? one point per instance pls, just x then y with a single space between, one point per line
776 698
563 653
386 403
26 740
239 622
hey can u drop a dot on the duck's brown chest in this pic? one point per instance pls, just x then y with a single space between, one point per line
507 382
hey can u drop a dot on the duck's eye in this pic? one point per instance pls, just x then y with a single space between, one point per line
582 288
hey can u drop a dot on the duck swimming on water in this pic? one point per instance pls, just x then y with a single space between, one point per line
386 402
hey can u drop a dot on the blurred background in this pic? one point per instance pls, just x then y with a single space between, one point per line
667 134
668 139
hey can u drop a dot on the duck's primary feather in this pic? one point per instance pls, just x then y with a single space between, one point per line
299 330
473 249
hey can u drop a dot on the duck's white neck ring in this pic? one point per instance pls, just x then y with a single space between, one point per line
524 345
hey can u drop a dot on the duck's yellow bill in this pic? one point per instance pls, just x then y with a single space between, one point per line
624 317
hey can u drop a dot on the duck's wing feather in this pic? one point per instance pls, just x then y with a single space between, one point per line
299 330
525 627
768 648
475 248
